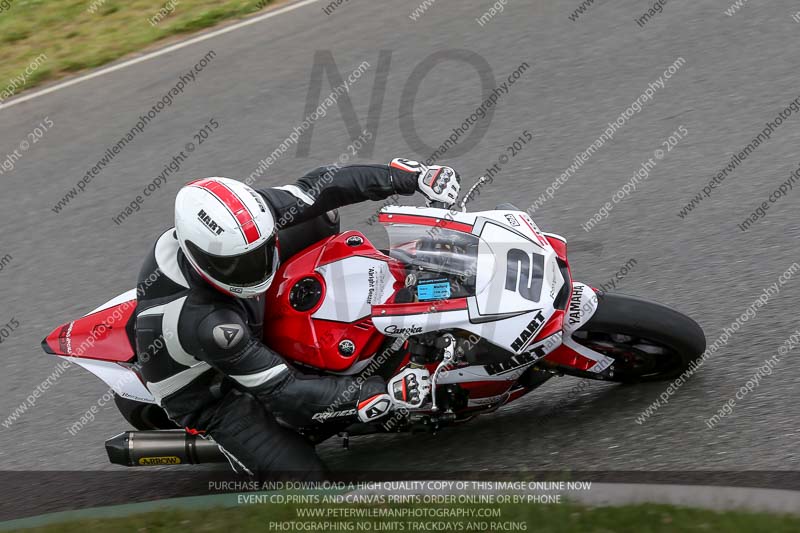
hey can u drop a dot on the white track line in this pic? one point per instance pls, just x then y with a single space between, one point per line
713 497
167 50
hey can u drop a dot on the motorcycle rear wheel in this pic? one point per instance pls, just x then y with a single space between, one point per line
647 340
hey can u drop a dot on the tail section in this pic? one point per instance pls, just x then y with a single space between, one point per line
105 334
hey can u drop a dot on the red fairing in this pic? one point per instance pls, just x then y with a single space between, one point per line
558 245
102 335
517 394
417 308
554 325
312 341
421 220
566 356
538 234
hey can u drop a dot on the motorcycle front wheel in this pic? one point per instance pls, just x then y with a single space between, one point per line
648 341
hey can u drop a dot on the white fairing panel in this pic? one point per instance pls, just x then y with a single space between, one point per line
122 298
517 281
398 325
500 297
122 380
519 299
509 371
582 306
352 286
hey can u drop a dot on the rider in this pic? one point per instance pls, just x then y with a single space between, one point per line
199 325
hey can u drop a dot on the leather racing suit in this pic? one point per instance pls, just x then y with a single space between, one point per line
201 350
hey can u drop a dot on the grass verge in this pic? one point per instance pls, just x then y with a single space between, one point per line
560 518
42 40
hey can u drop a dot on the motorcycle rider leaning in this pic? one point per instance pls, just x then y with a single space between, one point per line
199 325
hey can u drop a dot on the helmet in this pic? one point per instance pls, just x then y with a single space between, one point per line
228 234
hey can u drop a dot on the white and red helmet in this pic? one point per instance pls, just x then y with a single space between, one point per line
228 234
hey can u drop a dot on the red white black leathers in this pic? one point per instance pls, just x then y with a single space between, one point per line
201 349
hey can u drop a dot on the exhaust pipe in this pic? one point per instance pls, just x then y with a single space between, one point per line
159 448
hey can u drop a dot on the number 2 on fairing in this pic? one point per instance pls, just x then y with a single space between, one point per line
518 274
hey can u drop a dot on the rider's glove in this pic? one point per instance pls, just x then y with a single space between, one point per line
437 183
373 401
410 388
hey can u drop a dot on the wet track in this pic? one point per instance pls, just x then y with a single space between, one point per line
738 73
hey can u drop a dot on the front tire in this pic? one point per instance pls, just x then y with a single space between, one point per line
647 340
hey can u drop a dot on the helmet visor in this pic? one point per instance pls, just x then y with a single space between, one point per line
246 270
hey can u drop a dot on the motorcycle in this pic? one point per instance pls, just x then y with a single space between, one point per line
484 300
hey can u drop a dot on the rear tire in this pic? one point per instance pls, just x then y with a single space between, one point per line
649 341
143 416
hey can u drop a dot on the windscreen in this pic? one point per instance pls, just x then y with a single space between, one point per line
440 263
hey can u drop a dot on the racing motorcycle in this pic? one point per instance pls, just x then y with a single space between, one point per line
484 300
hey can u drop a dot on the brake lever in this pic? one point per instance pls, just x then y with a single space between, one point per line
447 360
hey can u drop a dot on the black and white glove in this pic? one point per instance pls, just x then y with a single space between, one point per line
373 401
437 183
410 388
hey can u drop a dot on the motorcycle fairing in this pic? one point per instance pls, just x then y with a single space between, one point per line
359 285
103 334
582 306
102 343
336 332
347 297
517 278
121 379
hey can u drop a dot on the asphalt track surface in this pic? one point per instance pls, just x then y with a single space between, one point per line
740 71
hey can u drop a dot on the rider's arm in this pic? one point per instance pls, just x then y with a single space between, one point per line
327 188
225 342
